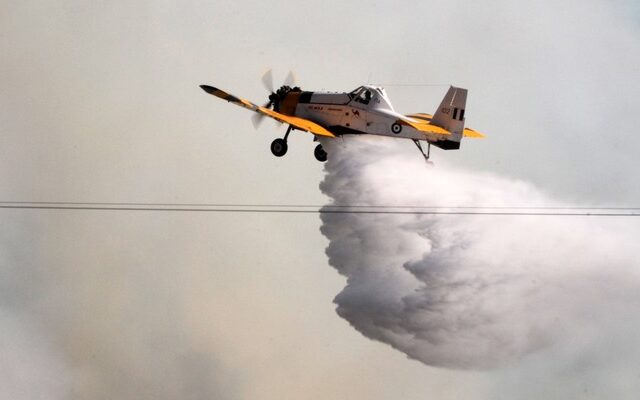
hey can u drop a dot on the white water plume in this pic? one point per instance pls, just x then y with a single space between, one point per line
469 291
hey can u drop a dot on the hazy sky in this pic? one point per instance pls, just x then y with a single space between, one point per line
100 102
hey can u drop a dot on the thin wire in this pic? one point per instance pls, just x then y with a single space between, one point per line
410 84
337 206
318 211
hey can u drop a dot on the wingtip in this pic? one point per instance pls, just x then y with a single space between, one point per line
208 89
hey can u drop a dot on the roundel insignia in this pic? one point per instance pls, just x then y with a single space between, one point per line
396 128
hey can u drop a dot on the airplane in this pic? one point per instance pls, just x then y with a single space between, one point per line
365 110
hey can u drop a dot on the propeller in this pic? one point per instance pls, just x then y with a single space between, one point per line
290 80
267 80
274 96
256 120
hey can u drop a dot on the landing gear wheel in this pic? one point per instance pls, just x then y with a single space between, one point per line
320 154
279 147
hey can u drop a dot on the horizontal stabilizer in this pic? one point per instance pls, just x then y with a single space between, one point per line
468 132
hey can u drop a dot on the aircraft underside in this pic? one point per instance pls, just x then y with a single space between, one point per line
279 146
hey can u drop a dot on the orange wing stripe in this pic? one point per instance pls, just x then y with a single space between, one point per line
297 122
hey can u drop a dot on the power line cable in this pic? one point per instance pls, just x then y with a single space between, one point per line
336 206
323 210
410 84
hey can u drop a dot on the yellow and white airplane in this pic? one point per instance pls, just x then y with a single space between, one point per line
365 110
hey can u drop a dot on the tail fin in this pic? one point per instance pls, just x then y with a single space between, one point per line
450 114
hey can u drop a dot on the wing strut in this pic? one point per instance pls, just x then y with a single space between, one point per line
426 156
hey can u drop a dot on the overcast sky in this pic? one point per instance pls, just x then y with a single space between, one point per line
100 102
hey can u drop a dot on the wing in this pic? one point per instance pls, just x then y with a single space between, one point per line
300 123
296 122
424 123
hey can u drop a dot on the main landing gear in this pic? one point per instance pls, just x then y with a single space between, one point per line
320 154
426 156
279 148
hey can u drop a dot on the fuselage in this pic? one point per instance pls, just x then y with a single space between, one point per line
365 110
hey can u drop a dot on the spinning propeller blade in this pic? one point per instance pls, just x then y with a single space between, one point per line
267 80
257 119
290 80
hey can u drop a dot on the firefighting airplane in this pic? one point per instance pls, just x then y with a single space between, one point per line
365 110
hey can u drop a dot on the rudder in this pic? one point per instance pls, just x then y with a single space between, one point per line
450 114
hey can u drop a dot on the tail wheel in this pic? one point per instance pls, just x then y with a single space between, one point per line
320 154
279 147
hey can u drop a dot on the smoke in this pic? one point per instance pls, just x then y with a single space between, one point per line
470 291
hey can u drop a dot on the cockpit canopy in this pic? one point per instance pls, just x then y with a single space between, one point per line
372 97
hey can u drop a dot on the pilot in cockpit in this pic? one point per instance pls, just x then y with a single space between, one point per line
363 96
367 96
